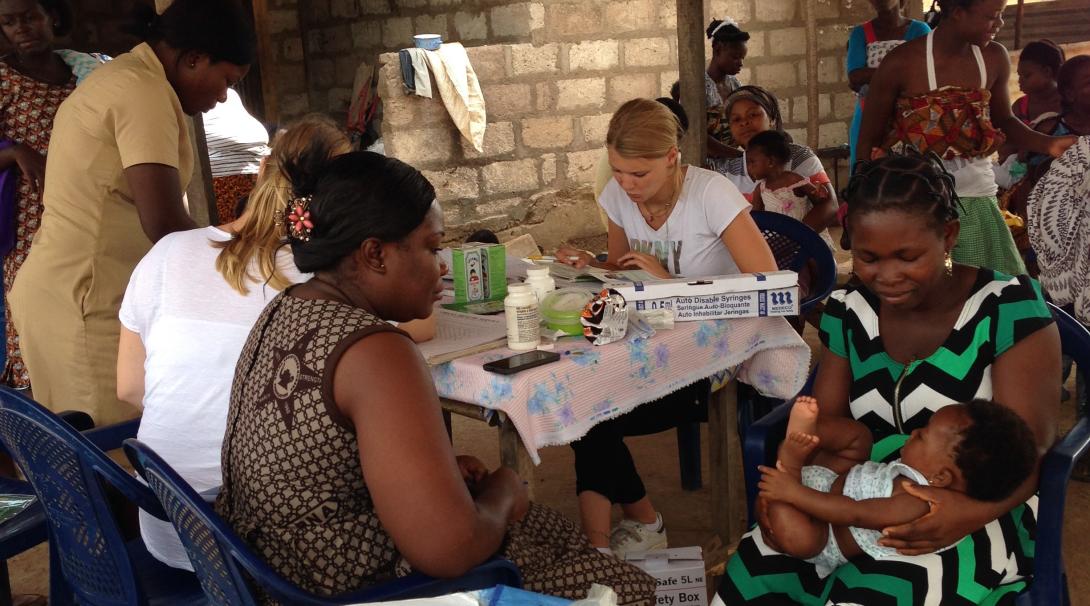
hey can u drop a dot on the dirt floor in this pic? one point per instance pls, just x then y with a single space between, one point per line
687 514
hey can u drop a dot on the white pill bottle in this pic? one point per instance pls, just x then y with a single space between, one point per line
523 318
540 282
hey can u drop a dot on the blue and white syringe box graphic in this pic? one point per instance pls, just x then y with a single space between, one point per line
716 297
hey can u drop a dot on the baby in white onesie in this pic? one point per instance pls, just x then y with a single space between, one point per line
827 503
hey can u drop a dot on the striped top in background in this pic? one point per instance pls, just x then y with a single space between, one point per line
237 141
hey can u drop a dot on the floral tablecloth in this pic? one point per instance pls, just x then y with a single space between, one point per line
559 402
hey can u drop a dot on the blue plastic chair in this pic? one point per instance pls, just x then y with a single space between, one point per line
225 564
20 533
27 529
1049 585
90 562
794 244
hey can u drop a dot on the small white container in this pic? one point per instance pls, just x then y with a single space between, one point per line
428 41
540 281
523 318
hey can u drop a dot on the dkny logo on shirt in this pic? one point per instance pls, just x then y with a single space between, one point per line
661 250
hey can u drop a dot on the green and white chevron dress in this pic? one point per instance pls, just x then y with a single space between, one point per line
892 399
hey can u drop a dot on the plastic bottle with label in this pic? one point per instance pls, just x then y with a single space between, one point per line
540 282
523 318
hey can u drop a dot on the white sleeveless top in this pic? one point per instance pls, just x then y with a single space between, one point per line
973 177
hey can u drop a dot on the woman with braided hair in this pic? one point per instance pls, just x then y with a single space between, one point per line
918 332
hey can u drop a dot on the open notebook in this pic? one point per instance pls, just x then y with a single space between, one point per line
459 334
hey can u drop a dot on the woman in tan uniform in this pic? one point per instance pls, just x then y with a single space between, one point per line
118 163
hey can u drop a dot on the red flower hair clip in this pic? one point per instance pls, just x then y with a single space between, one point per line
297 218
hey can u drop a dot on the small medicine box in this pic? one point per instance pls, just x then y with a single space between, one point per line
480 272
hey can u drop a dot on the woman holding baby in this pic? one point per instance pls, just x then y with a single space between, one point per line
914 334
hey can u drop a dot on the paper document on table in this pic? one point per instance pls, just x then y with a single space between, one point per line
567 273
461 334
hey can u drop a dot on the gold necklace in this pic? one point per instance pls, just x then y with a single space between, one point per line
651 216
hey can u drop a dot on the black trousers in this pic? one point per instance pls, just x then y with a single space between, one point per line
603 463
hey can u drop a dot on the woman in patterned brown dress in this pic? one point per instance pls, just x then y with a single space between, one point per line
336 462
34 81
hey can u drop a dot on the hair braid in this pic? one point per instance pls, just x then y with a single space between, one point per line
912 182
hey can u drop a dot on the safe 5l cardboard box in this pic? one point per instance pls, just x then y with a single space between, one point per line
679 575
736 296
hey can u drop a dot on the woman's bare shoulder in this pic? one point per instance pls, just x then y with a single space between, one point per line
908 51
996 50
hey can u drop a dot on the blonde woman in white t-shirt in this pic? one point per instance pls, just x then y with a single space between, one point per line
667 219
187 312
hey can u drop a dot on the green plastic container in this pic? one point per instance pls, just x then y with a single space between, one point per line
561 309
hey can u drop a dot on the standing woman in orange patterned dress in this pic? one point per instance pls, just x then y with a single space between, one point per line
946 93
34 80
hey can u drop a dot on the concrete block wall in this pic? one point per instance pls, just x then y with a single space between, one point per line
626 36
288 72
549 95
548 108
549 100
629 40
777 58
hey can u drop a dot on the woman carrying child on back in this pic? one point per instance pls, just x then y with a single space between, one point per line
781 191
868 44
960 109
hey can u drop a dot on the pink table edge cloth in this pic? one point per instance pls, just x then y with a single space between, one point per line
558 403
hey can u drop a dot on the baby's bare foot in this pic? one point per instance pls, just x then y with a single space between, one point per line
804 414
796 450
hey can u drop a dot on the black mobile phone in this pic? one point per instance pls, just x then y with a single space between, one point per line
522 361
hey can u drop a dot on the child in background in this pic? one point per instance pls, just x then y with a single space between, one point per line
1038 72
826 502
782 191
1038 77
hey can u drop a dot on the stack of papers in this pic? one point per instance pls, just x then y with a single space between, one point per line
458 334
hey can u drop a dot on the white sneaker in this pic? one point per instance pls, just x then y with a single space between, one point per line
631 535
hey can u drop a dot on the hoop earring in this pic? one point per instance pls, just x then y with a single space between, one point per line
948 265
